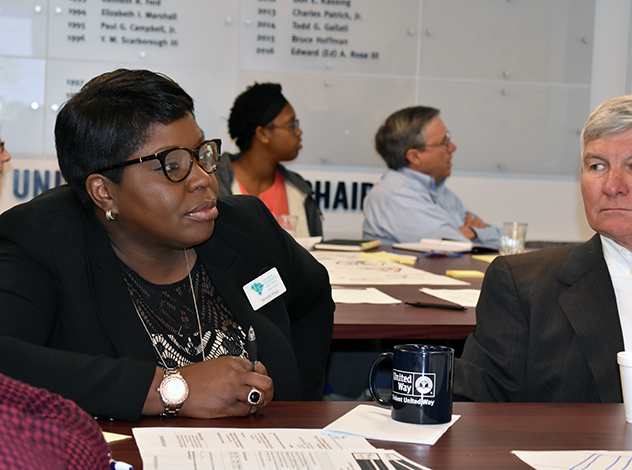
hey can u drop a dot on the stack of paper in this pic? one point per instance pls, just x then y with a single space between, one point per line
168 448
431 244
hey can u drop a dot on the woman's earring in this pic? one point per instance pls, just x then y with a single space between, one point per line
109 216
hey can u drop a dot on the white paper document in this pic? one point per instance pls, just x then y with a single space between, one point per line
576 459
207 459
465 297
243 438
350 268
261 449
362 295
375 422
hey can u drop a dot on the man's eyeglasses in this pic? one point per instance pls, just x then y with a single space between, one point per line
444 143
2 146
293 125
176 163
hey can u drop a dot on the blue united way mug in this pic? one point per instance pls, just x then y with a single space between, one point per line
421 391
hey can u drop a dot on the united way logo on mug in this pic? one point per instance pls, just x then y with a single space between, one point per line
425 384
421 390
410 384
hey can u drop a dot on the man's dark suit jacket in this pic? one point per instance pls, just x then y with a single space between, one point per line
67 322
547 330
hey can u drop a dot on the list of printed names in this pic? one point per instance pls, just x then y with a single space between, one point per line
310 28
122 22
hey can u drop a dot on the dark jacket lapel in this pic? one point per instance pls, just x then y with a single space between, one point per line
112 299
590 306
229 272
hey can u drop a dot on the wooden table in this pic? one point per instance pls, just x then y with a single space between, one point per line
365 321
482 438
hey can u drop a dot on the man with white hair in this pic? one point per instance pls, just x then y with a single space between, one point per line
550 323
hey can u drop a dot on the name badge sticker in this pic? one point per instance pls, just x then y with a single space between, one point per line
264 289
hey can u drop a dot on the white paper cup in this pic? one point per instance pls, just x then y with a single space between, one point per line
624 358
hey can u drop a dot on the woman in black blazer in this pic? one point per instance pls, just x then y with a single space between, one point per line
132 289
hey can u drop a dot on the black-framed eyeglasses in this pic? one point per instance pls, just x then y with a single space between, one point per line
177 162
293 125
2 146
444 143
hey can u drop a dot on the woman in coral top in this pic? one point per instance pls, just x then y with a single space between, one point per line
266 130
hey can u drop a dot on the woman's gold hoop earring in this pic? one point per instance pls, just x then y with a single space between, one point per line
109 216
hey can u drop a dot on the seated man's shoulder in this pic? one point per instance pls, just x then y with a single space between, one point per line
535 265
544 255
392 177
393 185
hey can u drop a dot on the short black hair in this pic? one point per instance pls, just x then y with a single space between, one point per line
109 119
257 106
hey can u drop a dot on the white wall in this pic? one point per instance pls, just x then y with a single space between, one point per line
611 51
475 97
552 207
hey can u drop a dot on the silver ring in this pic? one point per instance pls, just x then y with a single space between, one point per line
254 396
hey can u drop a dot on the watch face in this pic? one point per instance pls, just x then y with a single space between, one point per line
174 390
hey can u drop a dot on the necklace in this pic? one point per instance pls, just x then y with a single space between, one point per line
197 314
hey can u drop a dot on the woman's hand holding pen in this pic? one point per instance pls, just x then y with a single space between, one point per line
220 387
217 387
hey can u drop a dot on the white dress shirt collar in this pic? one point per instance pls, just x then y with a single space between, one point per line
619 262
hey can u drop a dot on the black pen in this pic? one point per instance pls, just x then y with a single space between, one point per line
429 305
251 347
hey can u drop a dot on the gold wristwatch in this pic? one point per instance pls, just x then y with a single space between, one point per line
173 391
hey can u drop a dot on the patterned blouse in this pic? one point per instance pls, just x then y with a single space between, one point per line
169 316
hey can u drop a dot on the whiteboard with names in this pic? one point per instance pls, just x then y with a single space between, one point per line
512 78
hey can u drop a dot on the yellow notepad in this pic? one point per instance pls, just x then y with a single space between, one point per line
485 258
113 437
465 273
